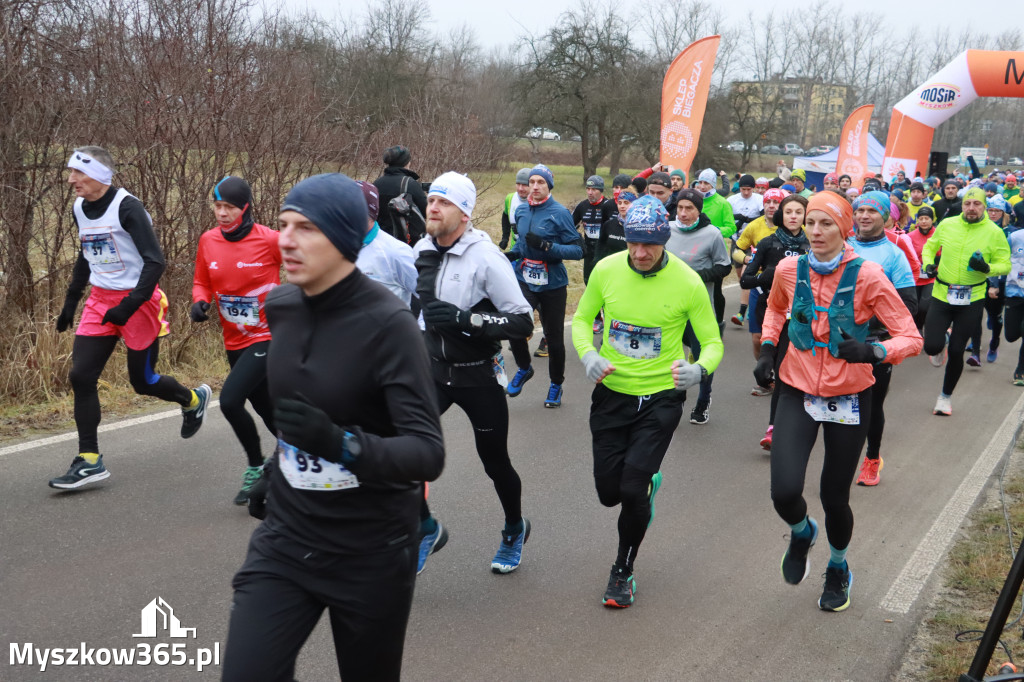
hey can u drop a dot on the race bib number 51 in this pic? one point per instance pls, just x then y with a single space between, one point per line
304 471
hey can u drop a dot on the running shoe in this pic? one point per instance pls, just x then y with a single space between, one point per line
510 551
621 589
515 387
652 490
554 398
1018 378
192 418
974 361
760 391
766 442
81 473
701 412
598 325
795 564
869 471
993 353
431 543
943 406
738 319
970 347
937 360
249 478
542 349
836 595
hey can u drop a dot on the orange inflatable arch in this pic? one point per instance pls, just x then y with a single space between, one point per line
973 74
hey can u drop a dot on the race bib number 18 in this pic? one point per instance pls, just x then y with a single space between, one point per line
304 471
958 294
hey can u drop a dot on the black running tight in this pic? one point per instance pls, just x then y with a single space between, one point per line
551 306
1015 326
248 381
964 320
794 437
876 421
487 410
780 354
89 356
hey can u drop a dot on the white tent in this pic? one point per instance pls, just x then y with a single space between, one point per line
826 163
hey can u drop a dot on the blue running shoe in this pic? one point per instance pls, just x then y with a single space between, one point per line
430 543
795 564
192 418
992 354
510 551
836 594
554 398
81 473
651 492
515 387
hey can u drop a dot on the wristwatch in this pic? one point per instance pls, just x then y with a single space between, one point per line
476 320
351 448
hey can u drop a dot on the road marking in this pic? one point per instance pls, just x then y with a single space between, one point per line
932 548
115 426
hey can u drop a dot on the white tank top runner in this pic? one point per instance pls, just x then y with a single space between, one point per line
113 259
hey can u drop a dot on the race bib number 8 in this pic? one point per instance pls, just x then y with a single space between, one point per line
304 471
632 341
840 409
535 272
243 310
958 294
100 250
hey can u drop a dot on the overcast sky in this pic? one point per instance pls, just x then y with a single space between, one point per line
500 23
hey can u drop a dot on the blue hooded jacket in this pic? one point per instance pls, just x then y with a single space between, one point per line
552 222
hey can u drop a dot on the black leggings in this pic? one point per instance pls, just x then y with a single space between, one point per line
487 410
792 443
248 381
551 306
964 320
882 372
281 592
89 356
1015 326
780 355
924 301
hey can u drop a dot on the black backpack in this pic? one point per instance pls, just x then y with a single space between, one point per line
408 222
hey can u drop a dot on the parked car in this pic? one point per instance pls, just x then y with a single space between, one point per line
791 148
771 149
998 161
542 134
735 146
954 159
1015 161
821 149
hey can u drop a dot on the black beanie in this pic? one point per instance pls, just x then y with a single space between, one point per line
397 156
622 180
236 191
335 204
747 181
691 195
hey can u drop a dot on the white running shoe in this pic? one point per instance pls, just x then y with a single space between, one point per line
936 360
943 406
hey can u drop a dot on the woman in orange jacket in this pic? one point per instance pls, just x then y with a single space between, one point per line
825 380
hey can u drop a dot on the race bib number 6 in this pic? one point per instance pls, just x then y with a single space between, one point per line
304 471
840 409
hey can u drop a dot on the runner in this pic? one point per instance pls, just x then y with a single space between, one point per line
1015 300
760 275
238 294
798 177
995 299
825 383
747 206
917 200
546 237
649 297
698 243
396 179
383 258
613 235
471 301
831 181
845 182
922 233
716 207
589 215
973 249
121 258
345 482
1010 189
761 185
871 214
512 201
949 205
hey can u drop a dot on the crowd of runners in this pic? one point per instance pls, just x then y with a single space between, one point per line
839 284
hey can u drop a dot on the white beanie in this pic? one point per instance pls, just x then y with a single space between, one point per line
456 188
707 175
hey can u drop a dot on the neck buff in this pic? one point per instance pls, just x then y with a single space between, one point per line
790 240
689 228
827 267
235 191
707 195
81 161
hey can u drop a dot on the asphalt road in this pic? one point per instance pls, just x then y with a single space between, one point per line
711 604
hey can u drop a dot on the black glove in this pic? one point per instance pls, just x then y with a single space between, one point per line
199 310
512 255
855 351
503 244
309 428
931 270
257 501
119 314
977 262
427 265
765 365
67 313
534 241
767 277
444 314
